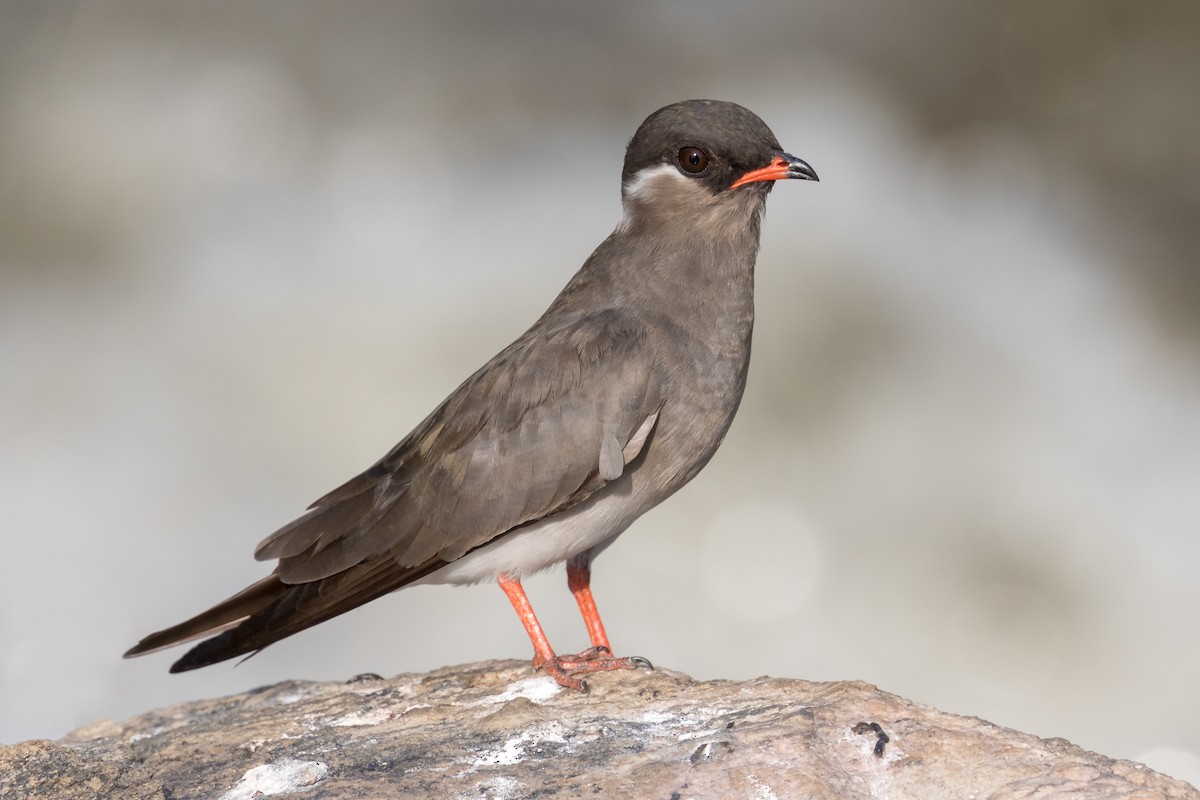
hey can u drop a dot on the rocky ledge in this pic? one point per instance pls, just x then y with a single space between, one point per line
497 730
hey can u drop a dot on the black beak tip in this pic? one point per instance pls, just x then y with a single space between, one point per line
801 170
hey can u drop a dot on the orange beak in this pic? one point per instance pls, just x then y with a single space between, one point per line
782 167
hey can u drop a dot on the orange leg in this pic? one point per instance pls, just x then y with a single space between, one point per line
579 581
561 667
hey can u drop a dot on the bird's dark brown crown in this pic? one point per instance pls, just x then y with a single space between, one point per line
730 139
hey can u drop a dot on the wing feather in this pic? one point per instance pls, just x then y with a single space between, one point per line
521 438
543 426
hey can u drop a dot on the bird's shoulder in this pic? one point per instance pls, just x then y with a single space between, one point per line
588 357
543 425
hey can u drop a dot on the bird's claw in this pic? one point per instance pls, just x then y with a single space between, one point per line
591 654
563 669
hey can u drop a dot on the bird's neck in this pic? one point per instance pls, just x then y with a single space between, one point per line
704 261
699 269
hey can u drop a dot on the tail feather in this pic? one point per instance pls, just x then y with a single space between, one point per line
271 610
220 617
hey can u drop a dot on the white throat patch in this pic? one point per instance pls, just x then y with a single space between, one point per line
645 181
649 183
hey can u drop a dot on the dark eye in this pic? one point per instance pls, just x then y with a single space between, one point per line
693 160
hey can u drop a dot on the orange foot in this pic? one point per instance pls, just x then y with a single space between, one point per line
594 659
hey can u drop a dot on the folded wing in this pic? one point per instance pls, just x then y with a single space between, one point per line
544 425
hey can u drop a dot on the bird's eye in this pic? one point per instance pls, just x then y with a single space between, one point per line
693 160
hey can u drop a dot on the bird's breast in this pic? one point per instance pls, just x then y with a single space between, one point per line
705 377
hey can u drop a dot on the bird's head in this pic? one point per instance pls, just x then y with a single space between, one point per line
693 158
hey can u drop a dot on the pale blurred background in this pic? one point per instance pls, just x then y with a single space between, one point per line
245 247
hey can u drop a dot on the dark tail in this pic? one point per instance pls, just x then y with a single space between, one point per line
270 610
242 605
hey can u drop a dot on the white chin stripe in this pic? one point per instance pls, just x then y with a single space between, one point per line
646 180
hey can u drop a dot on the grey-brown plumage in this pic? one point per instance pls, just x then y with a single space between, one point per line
615 398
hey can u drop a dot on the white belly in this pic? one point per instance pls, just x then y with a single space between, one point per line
544 543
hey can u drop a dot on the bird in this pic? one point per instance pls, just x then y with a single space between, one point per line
615 398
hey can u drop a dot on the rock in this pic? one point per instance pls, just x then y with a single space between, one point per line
498 730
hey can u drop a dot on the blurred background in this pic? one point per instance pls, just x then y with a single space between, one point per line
246 247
